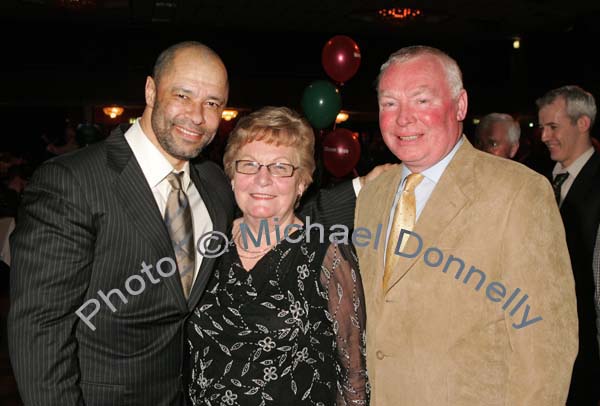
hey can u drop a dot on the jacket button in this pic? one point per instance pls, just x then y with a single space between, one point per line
379 355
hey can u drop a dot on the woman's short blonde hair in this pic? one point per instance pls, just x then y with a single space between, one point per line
279 126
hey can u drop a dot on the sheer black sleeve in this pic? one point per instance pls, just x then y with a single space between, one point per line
341 279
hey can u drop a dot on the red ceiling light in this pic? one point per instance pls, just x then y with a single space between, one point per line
400 13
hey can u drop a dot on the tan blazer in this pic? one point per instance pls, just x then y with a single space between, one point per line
471 337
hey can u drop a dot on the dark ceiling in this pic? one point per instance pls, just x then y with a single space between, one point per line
77 52
490 18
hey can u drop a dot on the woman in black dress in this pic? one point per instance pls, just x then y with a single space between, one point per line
282 321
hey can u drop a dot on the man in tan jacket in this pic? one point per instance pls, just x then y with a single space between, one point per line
478 306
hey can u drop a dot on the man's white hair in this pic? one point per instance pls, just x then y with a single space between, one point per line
514 129
453 73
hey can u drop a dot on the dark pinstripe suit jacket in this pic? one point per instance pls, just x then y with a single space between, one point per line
88 221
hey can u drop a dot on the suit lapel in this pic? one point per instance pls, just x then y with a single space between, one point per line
219 224
137 200
446 201
383 208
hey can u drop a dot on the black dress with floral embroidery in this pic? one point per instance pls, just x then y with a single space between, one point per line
289 332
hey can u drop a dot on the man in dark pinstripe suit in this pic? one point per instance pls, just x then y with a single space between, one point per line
92 219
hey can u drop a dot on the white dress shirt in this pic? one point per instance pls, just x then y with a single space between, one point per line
423 191
156 168
573 171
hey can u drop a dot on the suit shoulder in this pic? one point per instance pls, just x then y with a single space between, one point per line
594 166
82 158
213 177
504 170
85 163
211 171
381 182
209 166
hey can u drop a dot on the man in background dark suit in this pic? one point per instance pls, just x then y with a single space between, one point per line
97 305
566 115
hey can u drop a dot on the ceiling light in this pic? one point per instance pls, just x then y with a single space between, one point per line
113 111
341 117
399 13
229 115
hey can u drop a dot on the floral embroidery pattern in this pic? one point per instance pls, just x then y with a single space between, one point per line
289 331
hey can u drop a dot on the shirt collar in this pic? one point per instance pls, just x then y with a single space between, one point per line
153 163
435 172
576 166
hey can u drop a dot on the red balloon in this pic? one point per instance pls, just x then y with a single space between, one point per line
341 151
340 58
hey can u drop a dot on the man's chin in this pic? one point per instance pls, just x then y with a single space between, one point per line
186 155
184 151
556 157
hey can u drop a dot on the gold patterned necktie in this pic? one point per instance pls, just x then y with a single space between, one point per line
404 218
178 218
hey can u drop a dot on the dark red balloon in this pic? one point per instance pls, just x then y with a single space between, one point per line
340 58
341 151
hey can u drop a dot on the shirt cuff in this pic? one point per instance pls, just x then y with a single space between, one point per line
356 185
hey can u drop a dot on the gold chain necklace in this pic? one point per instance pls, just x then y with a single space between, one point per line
257 254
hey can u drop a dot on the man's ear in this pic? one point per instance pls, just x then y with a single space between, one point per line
462 104
150 91
513 150
583 124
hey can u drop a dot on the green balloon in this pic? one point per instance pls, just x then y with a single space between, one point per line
321 102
